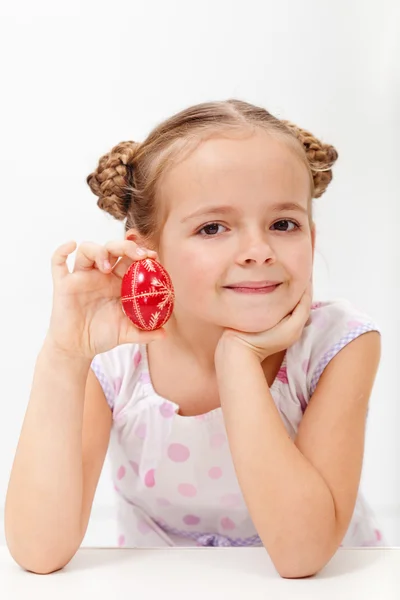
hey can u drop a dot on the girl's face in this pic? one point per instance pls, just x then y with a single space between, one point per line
237 212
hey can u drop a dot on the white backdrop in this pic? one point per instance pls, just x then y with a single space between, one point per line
79 78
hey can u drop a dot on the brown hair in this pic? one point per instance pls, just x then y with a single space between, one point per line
127 178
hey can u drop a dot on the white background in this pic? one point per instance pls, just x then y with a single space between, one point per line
79 78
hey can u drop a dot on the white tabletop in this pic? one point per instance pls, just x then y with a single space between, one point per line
201 574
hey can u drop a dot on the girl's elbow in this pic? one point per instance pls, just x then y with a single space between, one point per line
299 564
40 561
294 572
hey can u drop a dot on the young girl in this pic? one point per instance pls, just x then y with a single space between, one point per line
241 422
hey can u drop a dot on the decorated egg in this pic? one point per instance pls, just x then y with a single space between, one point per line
147 294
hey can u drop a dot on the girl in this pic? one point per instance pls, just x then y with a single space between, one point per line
242 421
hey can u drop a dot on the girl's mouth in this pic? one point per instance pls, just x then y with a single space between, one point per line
268 289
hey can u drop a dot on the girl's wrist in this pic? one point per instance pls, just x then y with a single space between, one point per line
231 350
56 353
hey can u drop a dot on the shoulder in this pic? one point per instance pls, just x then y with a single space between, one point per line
114 367
338 317
332 326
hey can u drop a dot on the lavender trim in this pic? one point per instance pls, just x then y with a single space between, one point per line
327 357
107 389
211 539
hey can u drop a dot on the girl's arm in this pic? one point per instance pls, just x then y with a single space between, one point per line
301 495
58 461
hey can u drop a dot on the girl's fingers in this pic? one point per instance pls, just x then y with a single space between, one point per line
299 315
115 256
129 252
301 312
90 255
145 337
59 267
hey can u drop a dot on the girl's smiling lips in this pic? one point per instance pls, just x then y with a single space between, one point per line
254 287
253 284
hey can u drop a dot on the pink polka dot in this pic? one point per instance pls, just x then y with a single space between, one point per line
121 541
217 440
116 488
302 401
215 473
137 359
149 479
135 466
354 324
231 500
319 320
167 410
378 535
121 472
143 527
315 305
227 523
191 520
282 375
163 502
178 452
117 385
144 377
141 431
305 364
187 489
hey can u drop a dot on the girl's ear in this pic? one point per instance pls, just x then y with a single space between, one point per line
313 236
133 235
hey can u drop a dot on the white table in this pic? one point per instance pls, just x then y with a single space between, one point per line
201 574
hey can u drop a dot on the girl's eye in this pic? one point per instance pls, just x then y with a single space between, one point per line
282 225
210 229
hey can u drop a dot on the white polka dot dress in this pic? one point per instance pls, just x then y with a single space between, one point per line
174 476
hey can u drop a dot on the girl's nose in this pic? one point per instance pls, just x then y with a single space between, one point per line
256 249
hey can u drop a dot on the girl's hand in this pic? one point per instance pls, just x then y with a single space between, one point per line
278 338
87 316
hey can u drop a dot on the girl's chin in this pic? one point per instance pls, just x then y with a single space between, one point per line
253 320
250 326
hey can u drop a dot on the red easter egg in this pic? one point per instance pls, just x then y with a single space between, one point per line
147 294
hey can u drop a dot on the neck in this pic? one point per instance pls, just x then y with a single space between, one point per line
197 339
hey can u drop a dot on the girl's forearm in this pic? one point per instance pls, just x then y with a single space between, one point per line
289 502
44 497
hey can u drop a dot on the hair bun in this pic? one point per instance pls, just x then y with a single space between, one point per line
321 157
112 180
